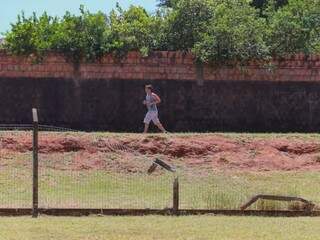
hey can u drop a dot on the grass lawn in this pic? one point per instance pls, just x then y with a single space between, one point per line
98 189
159 227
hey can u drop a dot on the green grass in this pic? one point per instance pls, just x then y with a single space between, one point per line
230 191
157 227
100 189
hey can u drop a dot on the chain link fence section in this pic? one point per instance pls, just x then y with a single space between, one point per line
230 191
72 175
15 168
75 173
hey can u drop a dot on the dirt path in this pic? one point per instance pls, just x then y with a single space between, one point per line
206 152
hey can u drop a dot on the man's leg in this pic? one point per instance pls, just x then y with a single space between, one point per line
157 122
159 125
146 127
146 121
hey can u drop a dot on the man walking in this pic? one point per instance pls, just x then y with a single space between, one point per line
151 102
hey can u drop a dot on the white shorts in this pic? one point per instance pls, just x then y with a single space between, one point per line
151 116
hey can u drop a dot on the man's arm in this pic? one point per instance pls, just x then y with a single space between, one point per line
157 99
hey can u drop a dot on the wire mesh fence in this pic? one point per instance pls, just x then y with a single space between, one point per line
15 169
232 190
72 178
79 170
99 190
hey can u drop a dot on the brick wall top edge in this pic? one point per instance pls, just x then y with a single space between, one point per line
166 65
177 55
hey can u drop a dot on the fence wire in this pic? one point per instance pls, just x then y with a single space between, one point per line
74 172
73 177
15 169
223 190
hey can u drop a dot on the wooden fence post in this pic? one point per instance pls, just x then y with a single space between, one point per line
35 164
175 209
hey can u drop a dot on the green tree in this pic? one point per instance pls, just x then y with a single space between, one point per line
82 37
31 35
133 29
78 37
167 3
235 33
216 31
186 23
295 28
263 4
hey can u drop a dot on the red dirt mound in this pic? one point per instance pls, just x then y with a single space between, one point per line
133 153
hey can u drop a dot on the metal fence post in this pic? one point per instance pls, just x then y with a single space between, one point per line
175 209
35 164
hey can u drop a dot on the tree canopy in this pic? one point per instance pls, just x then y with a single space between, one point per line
216 31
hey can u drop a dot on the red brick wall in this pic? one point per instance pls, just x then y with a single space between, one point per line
108 95
160 66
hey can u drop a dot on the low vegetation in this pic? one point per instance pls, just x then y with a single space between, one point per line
216 31
156 227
